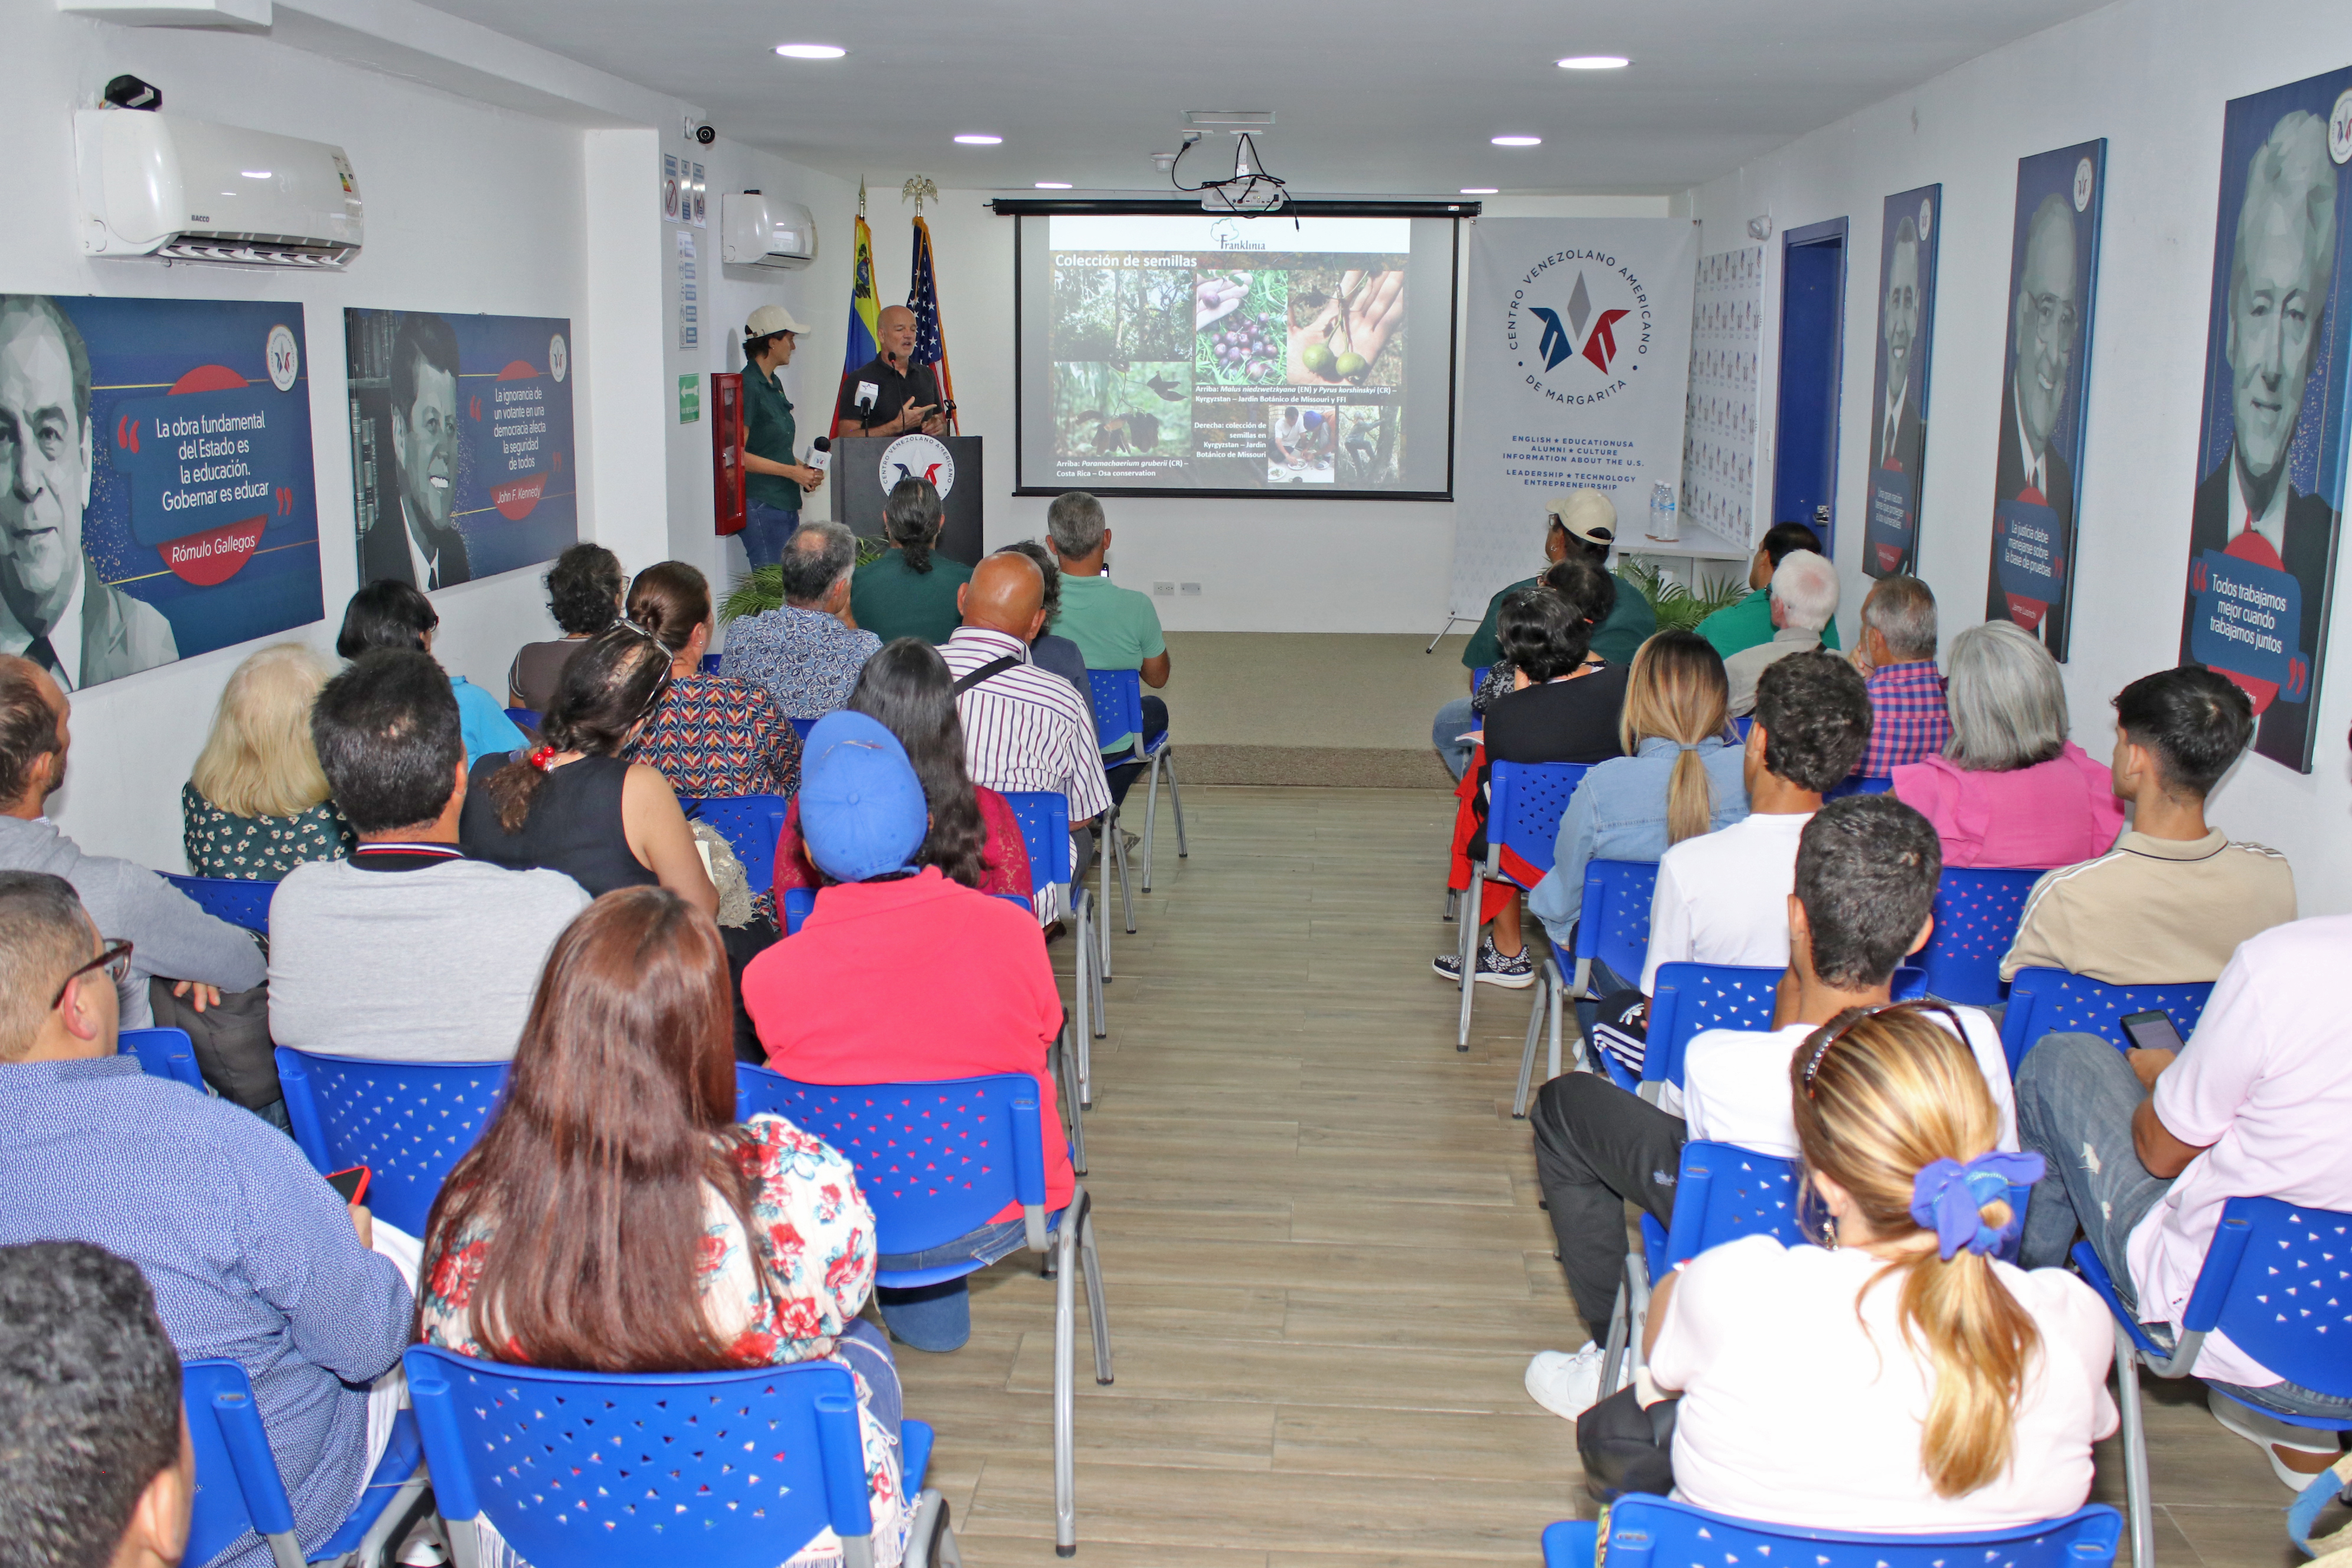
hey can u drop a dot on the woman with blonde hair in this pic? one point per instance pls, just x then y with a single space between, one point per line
255 806
1681 776
1897 1377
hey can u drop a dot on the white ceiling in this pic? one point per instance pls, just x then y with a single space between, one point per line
1389 96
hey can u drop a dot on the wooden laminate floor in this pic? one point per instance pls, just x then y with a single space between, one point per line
1324 1265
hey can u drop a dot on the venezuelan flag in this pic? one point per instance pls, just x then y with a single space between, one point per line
864 306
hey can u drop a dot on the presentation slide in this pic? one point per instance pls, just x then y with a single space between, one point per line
1191 353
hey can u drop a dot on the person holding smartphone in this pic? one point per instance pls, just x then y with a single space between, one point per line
891 394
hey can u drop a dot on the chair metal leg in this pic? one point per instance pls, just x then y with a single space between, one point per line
1613 1343
1175 804
1108 835
1473 902
2138 1508
1452 897
1545 980
1555 994
1095 1312
1119 850
1065 1503
1082 982
1066 1080
1150 819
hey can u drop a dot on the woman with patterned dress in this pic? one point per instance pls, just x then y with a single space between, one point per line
255 806
616 1148
712 734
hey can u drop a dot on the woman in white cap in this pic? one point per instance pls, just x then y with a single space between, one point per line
773 480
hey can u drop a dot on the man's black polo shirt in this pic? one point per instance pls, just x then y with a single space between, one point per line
919 386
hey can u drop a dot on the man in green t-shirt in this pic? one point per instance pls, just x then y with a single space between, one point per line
773 480
1115 627
1748 623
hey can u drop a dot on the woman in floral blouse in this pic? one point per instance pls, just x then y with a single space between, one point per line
255 806
730 1246
712 734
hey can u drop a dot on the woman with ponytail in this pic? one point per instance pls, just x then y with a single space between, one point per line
1680 777
571 804
711 734
1898 1376
908 591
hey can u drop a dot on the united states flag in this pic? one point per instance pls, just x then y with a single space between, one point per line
923 299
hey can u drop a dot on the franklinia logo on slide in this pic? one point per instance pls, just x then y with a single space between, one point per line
1590 339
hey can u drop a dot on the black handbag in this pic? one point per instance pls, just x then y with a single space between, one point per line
1625 1448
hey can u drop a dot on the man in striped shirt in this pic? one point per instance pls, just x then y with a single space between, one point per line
1896 656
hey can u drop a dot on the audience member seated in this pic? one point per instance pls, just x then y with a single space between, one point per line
1565 708
583 594
974 839
1025 729
1680 778
1804 600
408 950
710 734
1741 626
833 1006
1896 656
571 804
1048 650
190 971
99 1468
2174 898
909 590
394 615
807 651
252 1255
1581 524
1864 890
2011 789
1115 627
2145 1147
1897 1377
255 806
738 1245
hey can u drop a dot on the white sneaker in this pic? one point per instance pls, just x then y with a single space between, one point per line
2270 1436
1566 1383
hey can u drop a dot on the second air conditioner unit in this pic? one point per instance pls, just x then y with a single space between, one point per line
761 231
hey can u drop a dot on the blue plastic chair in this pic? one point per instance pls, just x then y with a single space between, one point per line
802 727
524 719
2277 1278
1647 1532
1976 913
1741 725
1690 998
937 1161
710 663
716 1469
1117 696
408 1122
164 1053
1524 802
1858 783
1613 925
240 1490
1044 821
751 824
2052 1001
234 899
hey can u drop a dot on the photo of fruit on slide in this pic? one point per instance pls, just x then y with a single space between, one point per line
1141 409
1238 315
1346 327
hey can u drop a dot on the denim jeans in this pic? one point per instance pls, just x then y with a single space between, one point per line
1155 724
1456 718
937 1317
867 1349
765 530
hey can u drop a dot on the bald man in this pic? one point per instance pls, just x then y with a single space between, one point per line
2045 326
1025 728
890 394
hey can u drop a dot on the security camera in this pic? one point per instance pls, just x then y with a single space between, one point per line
130 93
706 134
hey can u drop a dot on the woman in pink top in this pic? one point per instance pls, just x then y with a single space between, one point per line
2011 789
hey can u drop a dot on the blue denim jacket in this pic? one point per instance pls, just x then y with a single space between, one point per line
1619 813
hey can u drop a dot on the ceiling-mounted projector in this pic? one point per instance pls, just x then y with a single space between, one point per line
1249 190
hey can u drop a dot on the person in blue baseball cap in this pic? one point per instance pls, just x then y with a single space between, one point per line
839 1002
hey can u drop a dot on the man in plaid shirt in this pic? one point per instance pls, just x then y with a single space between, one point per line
1897 654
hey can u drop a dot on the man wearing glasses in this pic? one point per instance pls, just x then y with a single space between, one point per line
2045 326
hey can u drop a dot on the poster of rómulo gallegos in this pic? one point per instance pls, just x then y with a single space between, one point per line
162 502
462 461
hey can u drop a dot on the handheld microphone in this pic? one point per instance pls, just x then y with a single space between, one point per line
820 453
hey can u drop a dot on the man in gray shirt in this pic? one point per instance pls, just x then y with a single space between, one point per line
408 950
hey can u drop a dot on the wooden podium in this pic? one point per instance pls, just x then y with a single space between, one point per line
864 468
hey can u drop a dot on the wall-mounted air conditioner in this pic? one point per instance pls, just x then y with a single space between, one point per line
163 185
761 231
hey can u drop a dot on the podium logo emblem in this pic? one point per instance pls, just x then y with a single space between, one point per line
917 457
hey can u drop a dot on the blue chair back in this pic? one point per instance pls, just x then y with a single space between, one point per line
751 824
1726 1192
1858 783
239 902
1977 912
1613 923
1524 804
1478 675
935 1160
1692 998
1647 1531
162 1053
799 904
716 1469
524 719
710 664
801 727
2050 1001
1117 697
2277 1278
238 1487
1741 725
1045 820
408 1122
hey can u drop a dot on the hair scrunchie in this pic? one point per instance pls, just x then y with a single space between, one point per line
1946 1194
545 754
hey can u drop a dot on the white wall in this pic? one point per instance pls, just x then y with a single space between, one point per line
2151 76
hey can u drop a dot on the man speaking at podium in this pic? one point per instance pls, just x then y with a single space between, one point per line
888 396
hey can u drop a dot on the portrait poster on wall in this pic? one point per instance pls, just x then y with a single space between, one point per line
162 503
2271 452
462 462
2053 267
1898 424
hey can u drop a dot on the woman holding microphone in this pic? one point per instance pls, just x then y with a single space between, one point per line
773 483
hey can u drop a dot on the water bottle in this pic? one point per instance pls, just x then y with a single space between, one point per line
1664 525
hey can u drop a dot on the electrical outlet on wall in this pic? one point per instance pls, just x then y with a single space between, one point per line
1189 590
1164 590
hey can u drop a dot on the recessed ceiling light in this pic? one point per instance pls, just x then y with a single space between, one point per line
1052 184
1480 191
979 139
1519 140
1595 63
811 51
